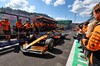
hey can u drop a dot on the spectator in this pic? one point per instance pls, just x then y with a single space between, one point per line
48 26
79 32
93 44
62 27
84 30
6 25
41 26
19 26
33 25
27 28
51 26
77 28
37 27
26 22
44 26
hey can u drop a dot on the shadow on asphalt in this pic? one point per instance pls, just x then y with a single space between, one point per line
56 51
67 39
60 42
17 49
66 34
45 56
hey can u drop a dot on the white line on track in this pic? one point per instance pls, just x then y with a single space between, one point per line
71 55
82 61
2 48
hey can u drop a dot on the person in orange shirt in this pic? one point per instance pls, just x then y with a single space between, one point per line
51 26
62 27
37 27
26 22
41 26
77 28
27 28
6 25
93 44
44 26
33 26
19 26
48 26
1 25
37 24
55 26
84 30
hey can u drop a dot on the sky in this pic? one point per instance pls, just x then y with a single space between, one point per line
58 9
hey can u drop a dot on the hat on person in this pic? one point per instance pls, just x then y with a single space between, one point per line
96 7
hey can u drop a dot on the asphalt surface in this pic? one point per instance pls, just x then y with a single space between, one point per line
57 57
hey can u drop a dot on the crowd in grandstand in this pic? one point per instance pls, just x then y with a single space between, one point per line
89 37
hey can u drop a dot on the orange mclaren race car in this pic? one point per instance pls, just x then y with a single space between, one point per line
41 43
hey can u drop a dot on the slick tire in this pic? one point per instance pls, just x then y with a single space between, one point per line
50 43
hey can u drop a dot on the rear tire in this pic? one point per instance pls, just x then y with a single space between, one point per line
50 43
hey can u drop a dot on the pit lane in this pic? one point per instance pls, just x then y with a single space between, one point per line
57 57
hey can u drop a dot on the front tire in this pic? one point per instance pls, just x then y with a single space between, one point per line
50 43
